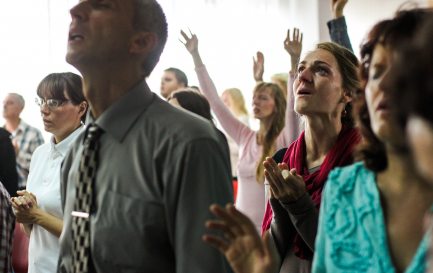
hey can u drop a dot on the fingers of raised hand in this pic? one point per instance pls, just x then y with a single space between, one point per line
222 226
217 242
184 35
227 218
260 57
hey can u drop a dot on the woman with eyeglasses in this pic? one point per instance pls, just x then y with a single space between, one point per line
38 208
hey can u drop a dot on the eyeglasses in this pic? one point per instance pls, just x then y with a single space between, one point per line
50 103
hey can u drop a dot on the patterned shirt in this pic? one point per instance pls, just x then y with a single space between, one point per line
7 225
28 139
351 235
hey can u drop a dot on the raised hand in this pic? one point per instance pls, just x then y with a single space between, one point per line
285 185
258 66
294 48
191 42
242 246
337 7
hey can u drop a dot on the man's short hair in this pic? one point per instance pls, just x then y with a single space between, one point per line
19 99
150 17
179 74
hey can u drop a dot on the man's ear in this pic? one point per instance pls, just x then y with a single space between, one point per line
143 42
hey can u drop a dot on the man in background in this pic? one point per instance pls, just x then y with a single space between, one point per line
25 138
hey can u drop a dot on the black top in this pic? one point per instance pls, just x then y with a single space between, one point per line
8 168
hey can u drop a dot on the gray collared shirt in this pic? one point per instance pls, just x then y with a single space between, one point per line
159 170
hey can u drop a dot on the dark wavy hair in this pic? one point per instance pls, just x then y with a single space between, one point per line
393 34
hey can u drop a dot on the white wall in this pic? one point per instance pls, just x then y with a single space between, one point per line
230 32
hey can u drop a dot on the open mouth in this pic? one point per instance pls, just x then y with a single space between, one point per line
75 37
302 92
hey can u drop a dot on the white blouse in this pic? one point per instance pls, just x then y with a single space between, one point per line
44 183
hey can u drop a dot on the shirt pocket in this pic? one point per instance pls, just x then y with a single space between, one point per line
128 231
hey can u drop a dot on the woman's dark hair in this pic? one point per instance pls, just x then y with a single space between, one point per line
193 102
412 77
179 74
55 85
393 34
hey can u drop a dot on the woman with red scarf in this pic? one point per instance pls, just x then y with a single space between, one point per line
326 80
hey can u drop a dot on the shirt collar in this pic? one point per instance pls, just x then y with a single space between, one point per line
21 127
63 146
119 117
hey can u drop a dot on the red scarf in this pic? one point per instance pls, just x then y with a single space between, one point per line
339 155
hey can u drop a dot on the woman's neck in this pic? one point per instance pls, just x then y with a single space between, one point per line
399 175
320 135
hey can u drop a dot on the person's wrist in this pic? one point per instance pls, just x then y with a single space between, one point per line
37 216
338 14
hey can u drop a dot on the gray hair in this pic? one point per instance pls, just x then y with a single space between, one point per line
19 99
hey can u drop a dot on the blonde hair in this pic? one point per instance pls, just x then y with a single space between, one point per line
277 125
237 99
281 79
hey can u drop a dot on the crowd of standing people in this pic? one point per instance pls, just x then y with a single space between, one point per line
337 177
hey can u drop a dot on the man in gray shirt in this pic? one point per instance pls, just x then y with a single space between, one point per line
159 168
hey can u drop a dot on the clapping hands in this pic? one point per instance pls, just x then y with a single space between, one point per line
285 185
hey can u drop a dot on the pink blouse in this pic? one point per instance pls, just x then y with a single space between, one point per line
251 193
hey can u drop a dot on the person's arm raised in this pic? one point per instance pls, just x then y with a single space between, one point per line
258 66
293 46
337 26
231 125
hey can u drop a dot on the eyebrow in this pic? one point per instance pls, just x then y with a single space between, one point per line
316 63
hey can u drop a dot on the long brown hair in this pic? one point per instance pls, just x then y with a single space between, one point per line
348 66
393 34
277 124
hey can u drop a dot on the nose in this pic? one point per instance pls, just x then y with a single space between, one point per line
255 101
78 12
44 109
305 75
385 81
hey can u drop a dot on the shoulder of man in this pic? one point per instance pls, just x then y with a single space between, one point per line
178 122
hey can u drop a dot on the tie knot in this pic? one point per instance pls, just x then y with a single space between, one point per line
93 132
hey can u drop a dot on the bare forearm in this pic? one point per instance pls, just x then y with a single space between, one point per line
338 13
197 59
49 222
294 60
